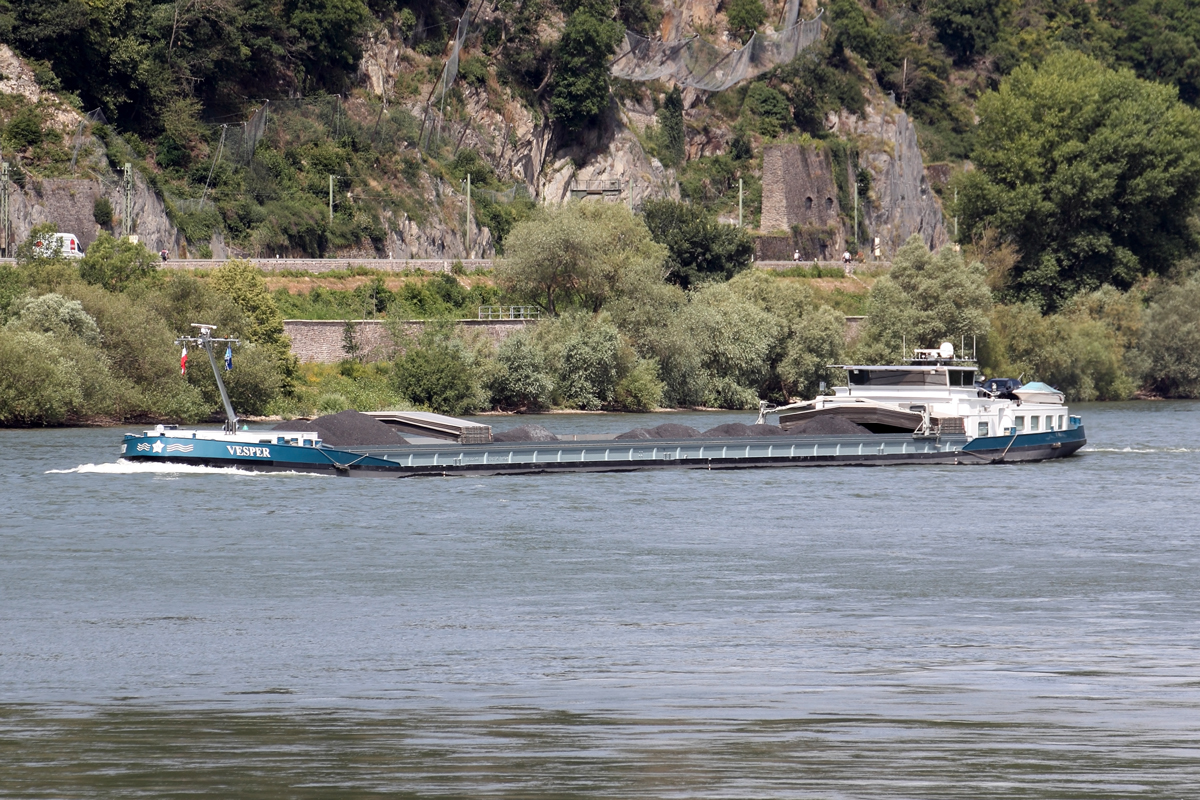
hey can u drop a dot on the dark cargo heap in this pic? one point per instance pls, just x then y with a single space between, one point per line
347 429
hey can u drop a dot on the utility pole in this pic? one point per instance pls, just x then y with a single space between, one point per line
956 214
330 199
4 244
127 212
468 216
739 202
856 213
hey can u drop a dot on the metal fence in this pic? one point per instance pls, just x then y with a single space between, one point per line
509 312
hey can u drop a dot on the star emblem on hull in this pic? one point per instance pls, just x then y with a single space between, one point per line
158 446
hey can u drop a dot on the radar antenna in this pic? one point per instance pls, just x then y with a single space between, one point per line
205 339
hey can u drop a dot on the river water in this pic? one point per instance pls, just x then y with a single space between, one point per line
1020 631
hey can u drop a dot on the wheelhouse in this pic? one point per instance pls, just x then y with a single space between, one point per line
939 376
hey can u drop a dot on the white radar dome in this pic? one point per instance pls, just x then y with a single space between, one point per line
946 350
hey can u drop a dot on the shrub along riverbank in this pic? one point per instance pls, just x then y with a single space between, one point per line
93 340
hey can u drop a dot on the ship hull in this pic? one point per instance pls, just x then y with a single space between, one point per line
605 456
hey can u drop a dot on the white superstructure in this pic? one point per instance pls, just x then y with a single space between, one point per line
934 393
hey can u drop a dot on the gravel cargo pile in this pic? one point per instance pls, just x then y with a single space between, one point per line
828 425
347 429
668 430
736 430
525 433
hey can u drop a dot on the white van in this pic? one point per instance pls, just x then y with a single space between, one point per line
67 245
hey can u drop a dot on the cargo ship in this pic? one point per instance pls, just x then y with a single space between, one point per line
930 410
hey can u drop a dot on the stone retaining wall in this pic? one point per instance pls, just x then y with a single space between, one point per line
343 264
323 341
854 265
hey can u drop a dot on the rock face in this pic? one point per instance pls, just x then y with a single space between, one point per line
798 187
69 204
610 156
17 78
901 201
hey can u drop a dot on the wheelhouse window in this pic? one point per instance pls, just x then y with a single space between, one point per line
1060 422
897 377
1049 422
1019 424
962 377
1033 422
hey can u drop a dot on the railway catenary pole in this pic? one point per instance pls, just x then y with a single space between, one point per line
4 226
127 201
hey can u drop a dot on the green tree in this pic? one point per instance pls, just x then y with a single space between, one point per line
102 212
54 314
437 371
37 385
1073 352
581 74
770 107
639 15
330 31
522 381
588 373
967 28
925 299
745 16
1171 343
1093 173
243 283
1159 40
671 138
24 129
698 247
116 263
579 253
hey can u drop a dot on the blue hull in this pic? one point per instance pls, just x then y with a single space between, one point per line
606 456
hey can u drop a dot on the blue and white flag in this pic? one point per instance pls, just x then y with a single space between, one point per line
228 358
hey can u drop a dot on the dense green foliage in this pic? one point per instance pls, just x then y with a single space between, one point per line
133 58
925 299
72 349
582 77
671 139
438 371
1087 178
745 16
116 263
698 247
1172 341
1094 173
582 254
415 298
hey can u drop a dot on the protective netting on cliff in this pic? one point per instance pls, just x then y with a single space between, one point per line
450 71
240 140
702 65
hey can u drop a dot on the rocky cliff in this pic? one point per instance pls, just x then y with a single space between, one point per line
901 201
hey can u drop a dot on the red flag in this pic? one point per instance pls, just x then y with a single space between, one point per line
183 362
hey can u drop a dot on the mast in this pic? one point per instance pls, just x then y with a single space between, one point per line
205 340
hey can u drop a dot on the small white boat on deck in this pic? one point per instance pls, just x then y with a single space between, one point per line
1040 393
